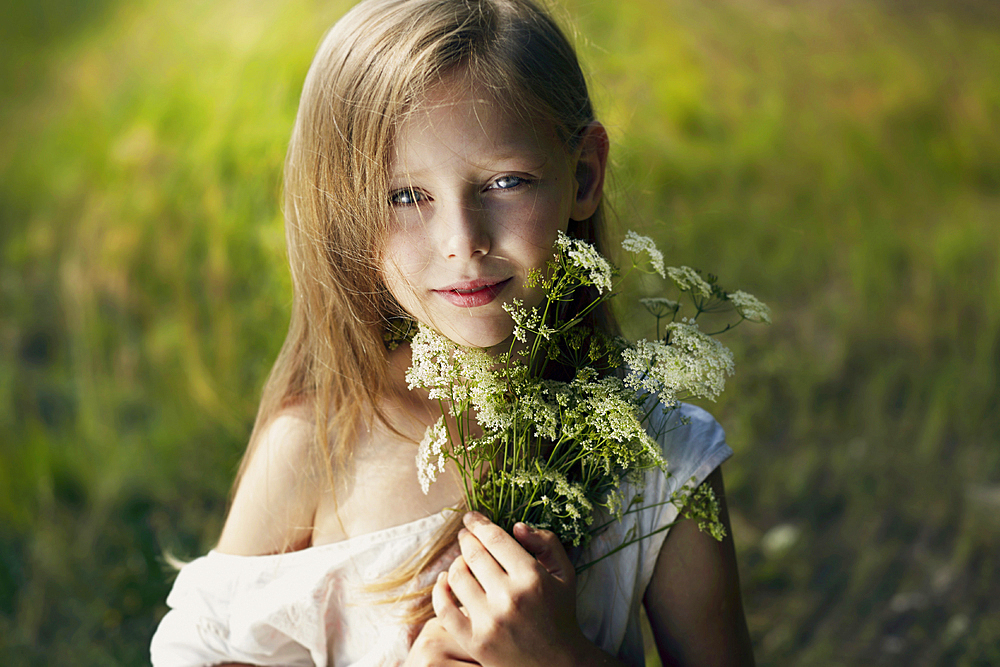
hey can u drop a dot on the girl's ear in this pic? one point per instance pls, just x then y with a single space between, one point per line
590 171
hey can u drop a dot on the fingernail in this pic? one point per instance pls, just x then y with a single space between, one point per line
463 533
474 516
442 576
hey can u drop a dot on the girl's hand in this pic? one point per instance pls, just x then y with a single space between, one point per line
507 603
434 646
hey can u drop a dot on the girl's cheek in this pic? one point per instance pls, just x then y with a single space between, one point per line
394 277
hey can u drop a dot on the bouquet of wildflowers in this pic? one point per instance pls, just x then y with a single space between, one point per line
548 452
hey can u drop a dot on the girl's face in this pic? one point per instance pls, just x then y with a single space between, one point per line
478 196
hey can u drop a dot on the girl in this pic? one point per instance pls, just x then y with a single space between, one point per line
439 148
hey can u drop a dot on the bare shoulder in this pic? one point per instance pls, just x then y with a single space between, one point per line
693 600
275 502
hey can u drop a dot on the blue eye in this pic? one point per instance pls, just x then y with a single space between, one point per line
405 197
508 182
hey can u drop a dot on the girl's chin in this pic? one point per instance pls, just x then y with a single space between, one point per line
499 342
493 330
497 338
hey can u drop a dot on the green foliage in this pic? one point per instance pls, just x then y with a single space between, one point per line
703 506
837 158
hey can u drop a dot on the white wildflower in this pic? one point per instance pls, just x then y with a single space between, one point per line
750 307
525 319
572 517
433 365
521 478
474 364
563 241
562 393
610 413
543 414
640 358
692 364
584 256
636 244
616 436
572 491
493 411
431 454
486 390
689 280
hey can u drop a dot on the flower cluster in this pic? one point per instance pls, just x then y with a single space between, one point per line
526 321
582 255
637 244
432 367
688 364
750 307
689 280
548 452
431 454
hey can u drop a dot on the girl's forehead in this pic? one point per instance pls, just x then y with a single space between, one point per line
462 114
462 93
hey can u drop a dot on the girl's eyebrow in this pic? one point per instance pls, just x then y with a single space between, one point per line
501 161
540 157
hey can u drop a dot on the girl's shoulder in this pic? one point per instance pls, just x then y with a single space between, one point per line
686 432
276 496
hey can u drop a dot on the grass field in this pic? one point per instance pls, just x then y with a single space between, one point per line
839 159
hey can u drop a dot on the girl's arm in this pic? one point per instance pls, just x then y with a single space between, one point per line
693 600
275 502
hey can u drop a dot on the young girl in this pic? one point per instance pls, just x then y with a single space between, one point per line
439 148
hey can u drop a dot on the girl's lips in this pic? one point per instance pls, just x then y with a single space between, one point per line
471 295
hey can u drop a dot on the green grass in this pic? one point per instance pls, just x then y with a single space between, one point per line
841 160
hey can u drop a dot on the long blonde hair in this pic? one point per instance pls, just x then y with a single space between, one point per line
370 70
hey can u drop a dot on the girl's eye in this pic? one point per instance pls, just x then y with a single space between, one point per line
508 182
406 197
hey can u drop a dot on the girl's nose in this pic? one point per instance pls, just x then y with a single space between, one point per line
465 231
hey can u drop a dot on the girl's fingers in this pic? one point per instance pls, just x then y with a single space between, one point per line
481 562
447 611
547 550
434 646
504 548
465 587
521 602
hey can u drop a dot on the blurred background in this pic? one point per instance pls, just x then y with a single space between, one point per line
840 159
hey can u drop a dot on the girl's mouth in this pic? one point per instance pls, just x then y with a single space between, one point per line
474 294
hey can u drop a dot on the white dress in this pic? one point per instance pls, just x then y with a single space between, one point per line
312 607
